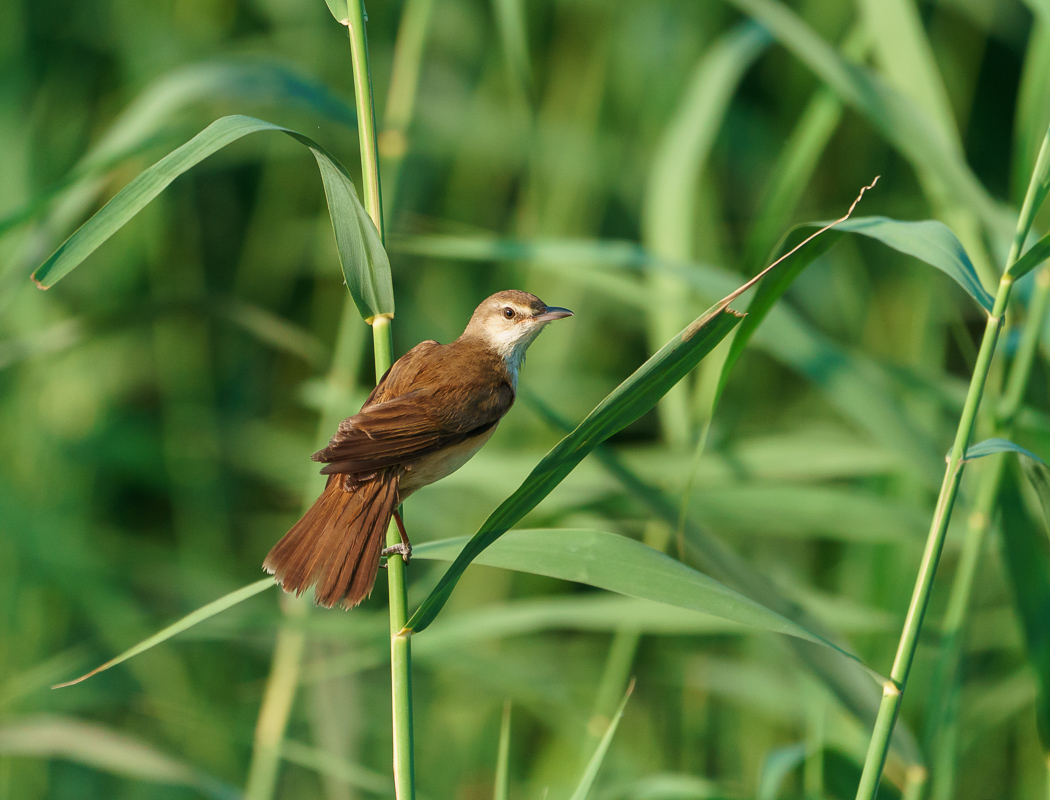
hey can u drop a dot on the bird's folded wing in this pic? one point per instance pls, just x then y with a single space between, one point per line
404 428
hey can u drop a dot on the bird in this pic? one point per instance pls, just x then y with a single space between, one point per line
427 416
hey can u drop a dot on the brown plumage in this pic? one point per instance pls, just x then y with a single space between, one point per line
432 410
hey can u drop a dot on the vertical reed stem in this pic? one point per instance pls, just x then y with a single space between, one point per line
978 523
893 691
400 645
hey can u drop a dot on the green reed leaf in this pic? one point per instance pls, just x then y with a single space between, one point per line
1032 258
366 267
590 774
929 241
992 446
625 566
501 791
200 615
338 9
510 22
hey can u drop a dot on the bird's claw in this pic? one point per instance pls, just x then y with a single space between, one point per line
402 549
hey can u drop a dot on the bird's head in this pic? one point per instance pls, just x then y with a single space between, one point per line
508 322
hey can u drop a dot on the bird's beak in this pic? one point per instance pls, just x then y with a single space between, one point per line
552 313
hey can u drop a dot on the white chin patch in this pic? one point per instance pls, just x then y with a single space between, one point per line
511 343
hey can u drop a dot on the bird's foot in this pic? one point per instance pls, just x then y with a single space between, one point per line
401 548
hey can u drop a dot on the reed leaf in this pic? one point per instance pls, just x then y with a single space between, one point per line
501 791
366 267
198 616
618 564
590 774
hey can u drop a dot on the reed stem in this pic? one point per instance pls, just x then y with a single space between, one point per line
978 524
893 691
400 644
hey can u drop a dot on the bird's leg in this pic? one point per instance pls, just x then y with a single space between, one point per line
405 548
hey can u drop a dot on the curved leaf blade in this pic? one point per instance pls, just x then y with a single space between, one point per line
364 261
927 240
627 567
590 774
992 446
1032 258
201 614
624 405
772 288
338 10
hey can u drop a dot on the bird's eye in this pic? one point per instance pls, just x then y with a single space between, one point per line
508 312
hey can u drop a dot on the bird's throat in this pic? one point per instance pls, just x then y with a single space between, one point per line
512 351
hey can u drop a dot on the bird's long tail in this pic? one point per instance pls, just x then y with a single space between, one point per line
337 543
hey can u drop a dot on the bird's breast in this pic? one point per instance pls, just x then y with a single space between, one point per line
435 466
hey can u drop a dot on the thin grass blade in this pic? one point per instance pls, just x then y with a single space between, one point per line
198 616
1033 110
502 790
590 774
1032 258
929 241
904 55
992 446
669 209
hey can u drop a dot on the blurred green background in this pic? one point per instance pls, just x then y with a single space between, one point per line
158 408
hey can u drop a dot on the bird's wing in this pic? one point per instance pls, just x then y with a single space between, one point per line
413 413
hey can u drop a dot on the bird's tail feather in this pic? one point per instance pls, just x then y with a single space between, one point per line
337 543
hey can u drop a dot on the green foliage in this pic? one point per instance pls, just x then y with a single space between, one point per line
158 407
1026 548
200 615
620 565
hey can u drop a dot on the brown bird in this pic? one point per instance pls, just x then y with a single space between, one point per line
431 411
